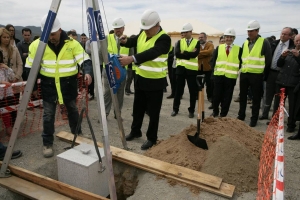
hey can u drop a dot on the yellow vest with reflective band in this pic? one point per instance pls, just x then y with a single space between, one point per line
112 47
227 66
253 62
63 65
156 68
192 63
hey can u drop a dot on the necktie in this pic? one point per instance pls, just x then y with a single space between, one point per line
188 42
118 45
227 50
277 56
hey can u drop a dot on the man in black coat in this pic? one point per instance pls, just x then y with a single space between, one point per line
278 47
148 91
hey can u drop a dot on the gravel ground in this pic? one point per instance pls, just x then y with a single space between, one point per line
149 186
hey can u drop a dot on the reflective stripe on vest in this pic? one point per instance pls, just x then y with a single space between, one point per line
253 62
192 63
156 68
227 66
63 65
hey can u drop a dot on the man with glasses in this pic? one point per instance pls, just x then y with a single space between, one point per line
226 63
256 60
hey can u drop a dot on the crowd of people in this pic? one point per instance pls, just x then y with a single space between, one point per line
262 66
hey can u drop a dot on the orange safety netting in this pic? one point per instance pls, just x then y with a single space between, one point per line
33 119
267 158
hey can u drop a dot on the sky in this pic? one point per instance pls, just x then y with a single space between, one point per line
272 15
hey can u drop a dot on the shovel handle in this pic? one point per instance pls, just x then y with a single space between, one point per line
200 81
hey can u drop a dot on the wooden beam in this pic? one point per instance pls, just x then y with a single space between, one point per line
51 184
204 181
29 189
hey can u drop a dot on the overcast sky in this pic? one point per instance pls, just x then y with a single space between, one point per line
272 15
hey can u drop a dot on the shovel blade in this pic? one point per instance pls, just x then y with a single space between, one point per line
199 142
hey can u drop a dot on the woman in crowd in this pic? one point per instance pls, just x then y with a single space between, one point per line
13 40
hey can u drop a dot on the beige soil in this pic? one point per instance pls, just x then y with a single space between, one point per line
233 154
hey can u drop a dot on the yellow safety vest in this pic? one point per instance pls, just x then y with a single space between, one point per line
63 65
192 63
156 68
253 62
227 66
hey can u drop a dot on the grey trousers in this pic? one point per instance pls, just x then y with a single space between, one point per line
107 95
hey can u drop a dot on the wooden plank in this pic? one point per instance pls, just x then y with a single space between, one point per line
29 189
204 181
54 185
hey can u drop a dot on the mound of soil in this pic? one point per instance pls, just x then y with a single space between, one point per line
233 154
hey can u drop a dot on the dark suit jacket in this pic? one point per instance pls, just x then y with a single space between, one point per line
186 56
162 46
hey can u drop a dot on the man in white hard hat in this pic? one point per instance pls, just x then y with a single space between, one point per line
226 62
113 47
58 75
153 45
256 59
187 50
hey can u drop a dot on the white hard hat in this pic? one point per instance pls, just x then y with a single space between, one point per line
230 31
56 25
252 25
187 27
118 23
149 19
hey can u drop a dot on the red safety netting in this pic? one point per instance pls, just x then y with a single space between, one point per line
267 157
10 98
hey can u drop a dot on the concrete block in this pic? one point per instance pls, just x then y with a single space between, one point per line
79 167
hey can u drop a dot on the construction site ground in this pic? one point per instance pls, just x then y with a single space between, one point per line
148 186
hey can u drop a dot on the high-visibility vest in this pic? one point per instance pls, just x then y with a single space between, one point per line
156 68
227 66
253 62
192 63
63 65
112 46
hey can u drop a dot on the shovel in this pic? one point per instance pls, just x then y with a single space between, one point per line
196 140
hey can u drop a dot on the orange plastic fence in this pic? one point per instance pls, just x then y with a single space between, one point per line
267 158
33 119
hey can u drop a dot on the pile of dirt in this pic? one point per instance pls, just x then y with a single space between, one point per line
233 154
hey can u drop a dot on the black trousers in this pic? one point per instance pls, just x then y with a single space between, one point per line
289 92
192 85
270 91
223 91
208 84
150 101
255 81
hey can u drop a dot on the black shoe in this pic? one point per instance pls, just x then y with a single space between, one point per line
290 130
214 115
191 115
210 107
147 145
132 136
241 118
174 113
92 98
295 137
262 118
253 123
170 97
15 154
127 93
